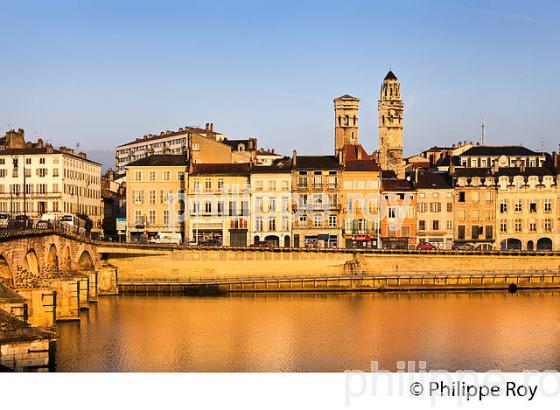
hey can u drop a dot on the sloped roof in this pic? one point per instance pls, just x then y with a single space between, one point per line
167 134
397 185
317 162
7 294
361 165
160 160
221 169
508 150
391 76
12 329
433 180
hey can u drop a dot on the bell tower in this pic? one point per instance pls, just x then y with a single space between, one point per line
345 122
391 109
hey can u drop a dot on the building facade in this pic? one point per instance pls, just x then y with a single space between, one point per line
36 178
434 207
218 198
398 214
361 194
317 185
526 209
153 187
270 211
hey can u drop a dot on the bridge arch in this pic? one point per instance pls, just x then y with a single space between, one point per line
85 262
52 258
31 262
66 262
5 272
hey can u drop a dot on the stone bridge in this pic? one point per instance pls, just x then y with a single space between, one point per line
56 273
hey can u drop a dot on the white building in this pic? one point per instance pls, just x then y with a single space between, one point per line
270 205
36 178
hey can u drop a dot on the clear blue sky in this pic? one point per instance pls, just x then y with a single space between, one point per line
103 72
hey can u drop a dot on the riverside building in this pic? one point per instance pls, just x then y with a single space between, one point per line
36 178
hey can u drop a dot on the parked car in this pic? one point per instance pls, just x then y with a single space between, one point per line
261 245
4 219
462 247
43 224
167 237
210 242
21 221
426 246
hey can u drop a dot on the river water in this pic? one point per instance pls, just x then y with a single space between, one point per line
315 332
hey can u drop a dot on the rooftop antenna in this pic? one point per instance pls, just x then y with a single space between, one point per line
542 146
482 133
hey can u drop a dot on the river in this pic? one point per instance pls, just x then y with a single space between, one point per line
315 332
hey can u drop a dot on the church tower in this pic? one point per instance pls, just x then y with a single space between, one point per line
346 122
391 110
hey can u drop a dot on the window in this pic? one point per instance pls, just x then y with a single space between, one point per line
422 225
435 225
547 205
272 185
138 176
317 221
272 205
503 226
532 207
152 217
475 231
55 172
196 147
259 204
318 182
461 196
302 182
532 226
196 185
475 196
285 185
208 207
332 221
461 232
207 184
518 225
220 183
518 205
285 223
271 224
548 225
435 207
422 207
258 223
138 217
166 175
138 196
220 208
503 206
152 175
152 196
449 207
258 186
166 216
42 172
489 231
449 225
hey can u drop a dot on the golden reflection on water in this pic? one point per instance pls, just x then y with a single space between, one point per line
315 332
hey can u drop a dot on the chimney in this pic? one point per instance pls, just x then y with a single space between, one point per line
211 127
416 174
294 158
359 152
451 165
522 165
555 159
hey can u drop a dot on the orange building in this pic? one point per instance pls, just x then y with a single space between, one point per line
398 214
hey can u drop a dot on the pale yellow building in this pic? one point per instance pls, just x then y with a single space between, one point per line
218 210
153 188
526 209
434 207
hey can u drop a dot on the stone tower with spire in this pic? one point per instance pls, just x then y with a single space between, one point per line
346 122
391 109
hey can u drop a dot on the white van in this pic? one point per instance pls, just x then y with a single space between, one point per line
4 220
168 237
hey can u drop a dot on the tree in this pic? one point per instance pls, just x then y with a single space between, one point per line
87 220
109 225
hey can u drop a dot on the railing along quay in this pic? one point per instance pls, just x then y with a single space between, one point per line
355 282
